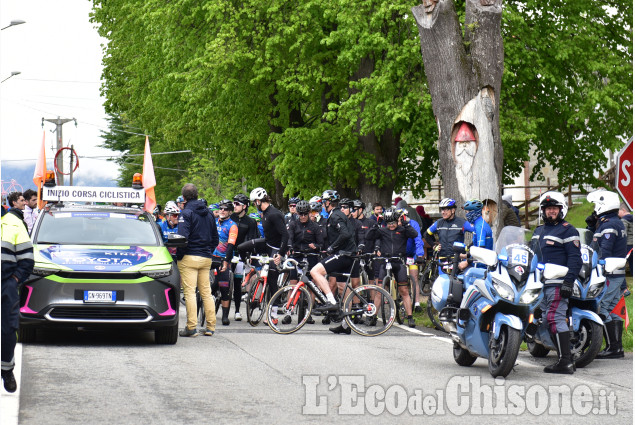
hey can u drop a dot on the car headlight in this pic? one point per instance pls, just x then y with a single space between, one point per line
158 273
576 290
530 295
503 289
594 290
43 271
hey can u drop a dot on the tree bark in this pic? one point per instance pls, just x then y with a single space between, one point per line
464 77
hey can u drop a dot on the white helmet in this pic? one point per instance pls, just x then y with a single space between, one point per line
553 199
257 194
316 199
171 208
604 201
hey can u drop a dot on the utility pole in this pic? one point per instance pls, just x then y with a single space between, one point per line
59 122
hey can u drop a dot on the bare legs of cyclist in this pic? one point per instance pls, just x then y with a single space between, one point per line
414 272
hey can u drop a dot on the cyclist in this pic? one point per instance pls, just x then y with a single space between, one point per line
247 230
276 235
180 202
415 250
257 219
227 234
316 212
340 241
378 217
365 224
450 228
481 231
171 223
214 210
292 215
391 241
304 236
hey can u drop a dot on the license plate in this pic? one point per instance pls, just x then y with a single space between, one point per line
100 296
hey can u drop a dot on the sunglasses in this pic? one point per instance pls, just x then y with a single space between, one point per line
292 206
303 214
238 204
225 209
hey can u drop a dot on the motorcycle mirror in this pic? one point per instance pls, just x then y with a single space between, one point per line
602 262
540 266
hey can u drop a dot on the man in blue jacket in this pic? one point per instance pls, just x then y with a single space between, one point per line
197 224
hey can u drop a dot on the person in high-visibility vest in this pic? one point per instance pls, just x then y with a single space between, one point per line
17 265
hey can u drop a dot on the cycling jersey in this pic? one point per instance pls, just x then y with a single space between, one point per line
392 243
481 233
303 234
449 231
227 234
365 224
275 229
414 246
247 228
339 235
167 228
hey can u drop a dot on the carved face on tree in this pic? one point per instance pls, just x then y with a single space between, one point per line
430 5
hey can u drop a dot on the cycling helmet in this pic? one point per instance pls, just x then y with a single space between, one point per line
255 216
553 199
604 200
401 212
226 203
243 199
203 200
391 215
213 207
156 210
447 203
171 208
315 199
257 194
303 207
294 200
345 202
315 206
180 199
473 205
330 195
358 204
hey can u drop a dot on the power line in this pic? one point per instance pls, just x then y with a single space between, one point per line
59 81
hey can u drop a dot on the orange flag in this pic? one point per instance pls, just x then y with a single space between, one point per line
40 172
148 179
620 310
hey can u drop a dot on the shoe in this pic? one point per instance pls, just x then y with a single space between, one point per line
238 317
10 383
373 321
327 307
310 320
326 321
613 348
188 332
418 308
286 320
411 322
340 330
208 332
225 321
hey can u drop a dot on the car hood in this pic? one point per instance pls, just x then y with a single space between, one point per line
100 258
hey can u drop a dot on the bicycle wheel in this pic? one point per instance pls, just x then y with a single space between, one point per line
402 312
288 309
433 314
257 302
426 279
369 310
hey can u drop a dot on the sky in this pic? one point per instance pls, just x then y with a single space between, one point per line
58 53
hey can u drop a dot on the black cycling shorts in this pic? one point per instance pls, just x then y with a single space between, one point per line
400 270
338 264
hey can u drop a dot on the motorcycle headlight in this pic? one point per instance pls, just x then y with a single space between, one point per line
576 290
594 290
529 296
503 289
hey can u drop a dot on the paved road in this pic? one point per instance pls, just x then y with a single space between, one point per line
247 375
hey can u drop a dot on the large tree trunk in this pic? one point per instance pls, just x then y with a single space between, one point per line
464 78
384 148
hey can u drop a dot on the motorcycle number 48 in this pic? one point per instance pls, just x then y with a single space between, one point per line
519 256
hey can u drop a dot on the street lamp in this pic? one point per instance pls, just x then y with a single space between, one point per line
14 23
13 73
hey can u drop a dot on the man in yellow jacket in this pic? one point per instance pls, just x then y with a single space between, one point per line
17 265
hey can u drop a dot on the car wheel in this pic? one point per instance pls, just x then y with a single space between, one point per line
167 335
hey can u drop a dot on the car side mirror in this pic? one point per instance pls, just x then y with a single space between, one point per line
176 241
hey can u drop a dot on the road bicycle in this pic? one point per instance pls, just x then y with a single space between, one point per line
389 283
258 293
368 310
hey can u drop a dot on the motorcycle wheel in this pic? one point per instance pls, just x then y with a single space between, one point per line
503 351
462 357
537 350
433 314
586 343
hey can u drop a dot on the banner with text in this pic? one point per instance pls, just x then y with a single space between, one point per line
94 194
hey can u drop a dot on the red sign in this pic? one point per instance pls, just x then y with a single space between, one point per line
624 174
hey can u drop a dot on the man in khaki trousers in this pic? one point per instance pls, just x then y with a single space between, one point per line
197 224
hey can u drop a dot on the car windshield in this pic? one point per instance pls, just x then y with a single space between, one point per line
96 228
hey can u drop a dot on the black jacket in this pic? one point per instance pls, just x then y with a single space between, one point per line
247 228
197 224
275 229
340 236
392 243
303 234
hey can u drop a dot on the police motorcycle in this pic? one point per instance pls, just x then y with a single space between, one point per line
585 324
488 318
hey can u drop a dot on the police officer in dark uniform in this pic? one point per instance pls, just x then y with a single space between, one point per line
340 244
610 235
558 242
